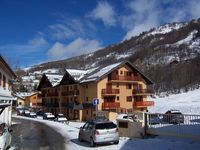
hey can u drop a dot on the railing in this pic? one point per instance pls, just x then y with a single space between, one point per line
72 93
179 125
111 91
110 105
142 91
51 94
125 78
143 104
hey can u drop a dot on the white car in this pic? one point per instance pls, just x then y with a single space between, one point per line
5 136
61 118
48 116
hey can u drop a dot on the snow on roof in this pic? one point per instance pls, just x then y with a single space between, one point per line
99 72
77 74
24 94
51 71
54 79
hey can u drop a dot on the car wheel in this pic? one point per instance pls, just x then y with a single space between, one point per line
79 138
116 142
92 144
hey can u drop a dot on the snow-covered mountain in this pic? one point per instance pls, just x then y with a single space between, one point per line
163 53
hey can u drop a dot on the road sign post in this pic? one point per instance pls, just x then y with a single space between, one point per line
95 103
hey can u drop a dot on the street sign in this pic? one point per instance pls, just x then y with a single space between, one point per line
95 101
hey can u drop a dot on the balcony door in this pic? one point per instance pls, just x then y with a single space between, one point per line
109 87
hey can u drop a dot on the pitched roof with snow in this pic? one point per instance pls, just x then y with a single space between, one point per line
97 73
54 79
77 74
100 72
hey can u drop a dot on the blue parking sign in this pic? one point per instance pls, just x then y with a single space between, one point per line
95 101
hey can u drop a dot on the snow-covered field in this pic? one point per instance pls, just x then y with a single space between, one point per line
187 103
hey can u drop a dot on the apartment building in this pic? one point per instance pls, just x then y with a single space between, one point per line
119 87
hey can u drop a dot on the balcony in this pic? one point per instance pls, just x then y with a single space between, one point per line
70 93
51 94
143 104
125 78
110 91
110 105
142 91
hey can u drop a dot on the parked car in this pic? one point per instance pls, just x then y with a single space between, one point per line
26 113
5 136
20 112
48 116
61 118
40 113
173 116
99 132
32 115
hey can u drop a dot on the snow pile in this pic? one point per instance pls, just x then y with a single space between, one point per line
187 103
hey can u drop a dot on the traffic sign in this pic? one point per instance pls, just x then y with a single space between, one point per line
95 101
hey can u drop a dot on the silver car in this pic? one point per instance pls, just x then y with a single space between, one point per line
99 132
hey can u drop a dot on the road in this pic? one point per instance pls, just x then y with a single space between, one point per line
31 135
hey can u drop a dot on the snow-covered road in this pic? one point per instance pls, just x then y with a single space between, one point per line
70 133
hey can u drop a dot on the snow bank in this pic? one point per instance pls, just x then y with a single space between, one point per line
187 103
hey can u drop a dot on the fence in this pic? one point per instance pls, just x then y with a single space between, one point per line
178 125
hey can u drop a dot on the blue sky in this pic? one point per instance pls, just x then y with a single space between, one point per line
36 31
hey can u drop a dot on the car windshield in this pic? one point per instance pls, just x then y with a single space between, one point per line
107 125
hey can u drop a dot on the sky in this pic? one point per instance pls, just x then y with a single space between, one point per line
35 31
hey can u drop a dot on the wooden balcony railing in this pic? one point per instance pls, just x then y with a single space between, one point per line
51 94
143 104
110 91
110 105
142 91
125 78
70 93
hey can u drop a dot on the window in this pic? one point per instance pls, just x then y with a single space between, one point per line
117 85
86 86
129 98
86 99
4 81
128 86
121 72
116 72
138 98
87 112
118 98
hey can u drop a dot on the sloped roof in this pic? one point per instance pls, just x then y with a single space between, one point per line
7 66
54 79
76 74
98 73
102 71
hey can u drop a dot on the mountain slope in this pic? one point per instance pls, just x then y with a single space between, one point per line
168 54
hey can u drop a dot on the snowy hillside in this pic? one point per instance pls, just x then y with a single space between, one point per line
187 103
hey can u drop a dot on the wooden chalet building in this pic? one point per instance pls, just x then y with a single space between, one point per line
120 87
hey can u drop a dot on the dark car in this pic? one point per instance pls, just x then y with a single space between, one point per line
40 113
99 132
173 116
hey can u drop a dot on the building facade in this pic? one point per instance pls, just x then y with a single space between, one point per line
6 77
119 87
